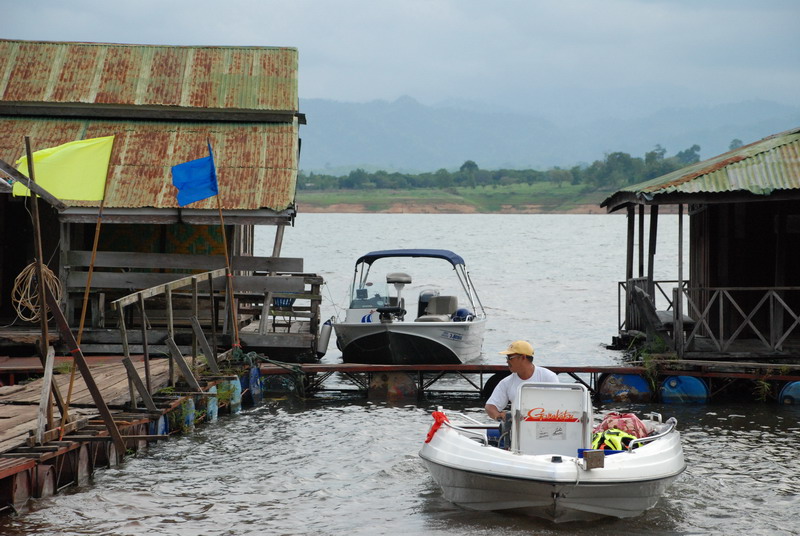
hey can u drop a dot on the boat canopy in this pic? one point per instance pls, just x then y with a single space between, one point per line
445 254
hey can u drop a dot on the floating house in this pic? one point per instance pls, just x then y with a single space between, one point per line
741 296
164 105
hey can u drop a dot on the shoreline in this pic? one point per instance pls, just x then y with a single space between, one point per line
442 208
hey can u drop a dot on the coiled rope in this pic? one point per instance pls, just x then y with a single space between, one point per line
25 294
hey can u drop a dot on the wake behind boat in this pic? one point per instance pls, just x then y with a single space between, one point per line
550 470
385 327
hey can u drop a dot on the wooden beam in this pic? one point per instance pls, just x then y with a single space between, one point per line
629 249
139 112
86 372
140 387
12 172
652 251
115 259
157 284
186 371
211 359
44 401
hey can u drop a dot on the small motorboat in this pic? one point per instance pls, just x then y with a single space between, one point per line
548 468
437 326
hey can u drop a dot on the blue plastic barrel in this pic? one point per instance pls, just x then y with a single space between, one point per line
684 390
187 407
212 405
624 388
236 396
255 385
790 394
160 426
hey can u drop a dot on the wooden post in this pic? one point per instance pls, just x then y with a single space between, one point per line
629 250
214 317
133 376
677 299
652 252
42 284
37 237
232 300
83 366
641 240
265 310
186 372
195 312
146 349
211 357
171 331
278 244
44 418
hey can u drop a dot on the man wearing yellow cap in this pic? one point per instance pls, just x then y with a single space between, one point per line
519 356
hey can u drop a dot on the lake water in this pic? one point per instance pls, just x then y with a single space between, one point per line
338 464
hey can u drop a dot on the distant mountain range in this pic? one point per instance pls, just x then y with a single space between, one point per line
406 135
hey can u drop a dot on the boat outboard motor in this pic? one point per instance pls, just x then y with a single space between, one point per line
425 297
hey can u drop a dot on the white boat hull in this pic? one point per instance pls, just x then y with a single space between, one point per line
410 343
480 477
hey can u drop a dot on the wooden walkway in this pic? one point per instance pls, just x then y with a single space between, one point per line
19 404
472 376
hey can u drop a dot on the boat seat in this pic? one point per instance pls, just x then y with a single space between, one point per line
551 418
440 309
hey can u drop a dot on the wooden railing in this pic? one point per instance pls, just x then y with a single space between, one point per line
724 315
718 316
629 318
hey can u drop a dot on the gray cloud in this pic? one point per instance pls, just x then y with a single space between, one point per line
578 57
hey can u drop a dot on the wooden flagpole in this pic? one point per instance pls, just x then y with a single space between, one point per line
235 321
234 316
86 296
40 276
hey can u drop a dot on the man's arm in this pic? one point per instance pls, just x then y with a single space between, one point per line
495 413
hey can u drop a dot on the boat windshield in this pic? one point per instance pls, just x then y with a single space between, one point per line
370 297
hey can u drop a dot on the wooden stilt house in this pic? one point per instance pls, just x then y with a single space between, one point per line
163 105
741 295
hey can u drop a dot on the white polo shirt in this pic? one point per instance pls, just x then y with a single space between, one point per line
506 390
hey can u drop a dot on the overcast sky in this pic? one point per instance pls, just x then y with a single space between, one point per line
545 57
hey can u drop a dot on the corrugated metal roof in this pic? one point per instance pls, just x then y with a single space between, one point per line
759 169
256 162
249 78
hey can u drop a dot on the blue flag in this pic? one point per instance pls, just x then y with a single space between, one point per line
195 180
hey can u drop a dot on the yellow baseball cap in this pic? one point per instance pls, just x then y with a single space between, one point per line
519 347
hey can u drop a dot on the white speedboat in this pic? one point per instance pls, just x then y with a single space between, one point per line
550 471
433 327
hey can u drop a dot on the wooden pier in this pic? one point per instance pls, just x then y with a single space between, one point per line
478 379
36 463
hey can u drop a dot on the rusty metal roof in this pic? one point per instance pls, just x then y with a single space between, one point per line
161 103
758 169
188 77
256 162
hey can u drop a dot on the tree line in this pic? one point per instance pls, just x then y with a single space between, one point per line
614 171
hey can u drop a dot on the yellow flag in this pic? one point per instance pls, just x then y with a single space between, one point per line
76 170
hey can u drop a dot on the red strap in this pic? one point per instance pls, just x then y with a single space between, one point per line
438 419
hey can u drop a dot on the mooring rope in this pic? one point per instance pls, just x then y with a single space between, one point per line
25 294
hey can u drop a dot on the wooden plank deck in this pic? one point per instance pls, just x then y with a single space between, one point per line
19 404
